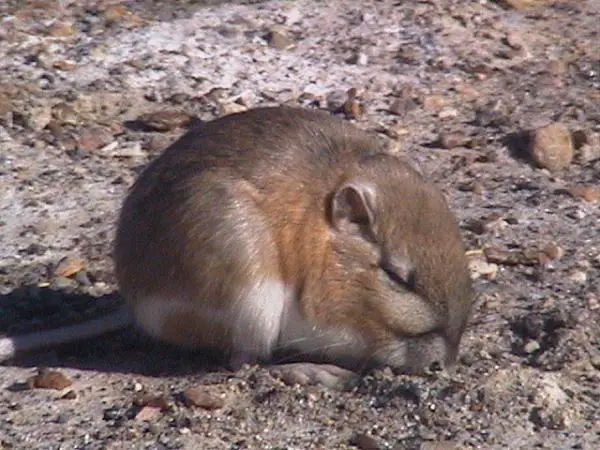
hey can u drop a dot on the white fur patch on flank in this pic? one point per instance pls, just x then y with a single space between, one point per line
258 317
254 318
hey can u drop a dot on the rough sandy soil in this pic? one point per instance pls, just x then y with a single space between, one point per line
461 87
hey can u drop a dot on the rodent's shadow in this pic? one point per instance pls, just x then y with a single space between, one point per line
518 143
143 126
31 309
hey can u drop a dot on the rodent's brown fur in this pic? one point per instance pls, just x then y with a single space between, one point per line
267 230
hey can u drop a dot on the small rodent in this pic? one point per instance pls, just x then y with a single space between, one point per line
288 231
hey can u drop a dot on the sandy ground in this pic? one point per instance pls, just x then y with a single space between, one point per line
91 91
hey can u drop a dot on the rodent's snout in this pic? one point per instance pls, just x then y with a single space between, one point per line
417 354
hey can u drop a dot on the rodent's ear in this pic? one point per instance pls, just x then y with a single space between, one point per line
353 209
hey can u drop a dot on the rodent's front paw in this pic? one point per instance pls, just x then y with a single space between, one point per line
304 374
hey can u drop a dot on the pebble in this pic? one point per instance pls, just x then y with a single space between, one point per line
592 301
551 147
129 150
448 113
60 30
550 405
365 442
94 137
587 146
64 65
65 114
63 283
165 120
514 40
278 38
401 106
230 108
35 118
434 101
49 379
523 4
590 194
453 139
359 58
578 277
531 346
203 397
479 267
442 445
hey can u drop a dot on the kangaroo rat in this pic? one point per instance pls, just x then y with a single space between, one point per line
289 231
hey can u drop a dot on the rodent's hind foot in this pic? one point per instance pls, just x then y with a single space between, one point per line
305 373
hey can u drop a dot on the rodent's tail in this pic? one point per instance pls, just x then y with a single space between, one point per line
10 346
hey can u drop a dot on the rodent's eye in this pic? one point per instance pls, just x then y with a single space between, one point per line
407 281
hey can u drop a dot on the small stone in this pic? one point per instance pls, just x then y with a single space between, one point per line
551 405
152 400
532 346
64 65
553 251
592 301
434 101
551 147
595 361
364 442
453 139
129 150
35 118
359 58
121 14
578 277
165 120
589 194
203 397
522 4
49 379
401 106
448 113
60 29
216 95
277 38
69 266
514 40
230 108
82 278
92 138
442 445
156 143
557 67
65 114
502 257
63 284
479 267
588 153
472 186
70 394
147 413
6 108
